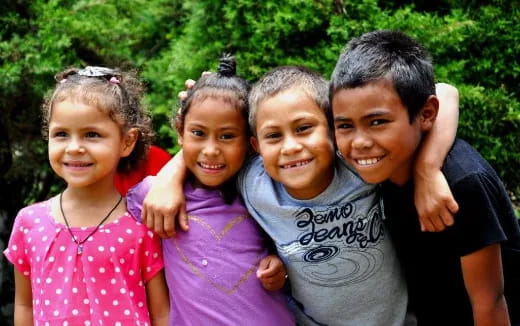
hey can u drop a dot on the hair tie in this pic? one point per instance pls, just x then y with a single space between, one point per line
114 80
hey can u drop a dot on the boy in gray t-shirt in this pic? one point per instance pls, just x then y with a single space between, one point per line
325 221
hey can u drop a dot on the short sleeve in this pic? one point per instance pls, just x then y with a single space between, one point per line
151 256
478 222
248 172
16 251
136 195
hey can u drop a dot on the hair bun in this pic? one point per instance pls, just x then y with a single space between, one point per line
227 66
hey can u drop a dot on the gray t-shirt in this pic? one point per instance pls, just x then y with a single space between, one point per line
341 263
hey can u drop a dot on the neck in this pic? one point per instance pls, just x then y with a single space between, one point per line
91 196
402 175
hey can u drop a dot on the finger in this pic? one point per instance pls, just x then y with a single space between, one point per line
169 226
446 217
205 73
159 225
427 224
189 83
149 220
183 218
182 95
144 215
438 224
262 266
452 205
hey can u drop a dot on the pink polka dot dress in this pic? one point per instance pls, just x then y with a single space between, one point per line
103 285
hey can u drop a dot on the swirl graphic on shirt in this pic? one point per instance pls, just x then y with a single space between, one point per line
336 247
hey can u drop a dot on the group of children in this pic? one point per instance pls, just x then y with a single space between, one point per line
319 228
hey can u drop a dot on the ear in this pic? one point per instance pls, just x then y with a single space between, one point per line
254 143
129 140
178 128
428 113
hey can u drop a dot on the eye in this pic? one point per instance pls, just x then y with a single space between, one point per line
377 122
59 134
197 133
344 126
273 135
92 134
227 136
303 128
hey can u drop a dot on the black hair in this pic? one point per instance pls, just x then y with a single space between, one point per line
391 55
289 77
224 85
114 92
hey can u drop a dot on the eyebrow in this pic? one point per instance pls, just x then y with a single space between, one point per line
368 116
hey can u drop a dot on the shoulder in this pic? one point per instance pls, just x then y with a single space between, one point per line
136 195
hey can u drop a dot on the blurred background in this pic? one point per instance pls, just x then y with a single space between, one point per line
475 46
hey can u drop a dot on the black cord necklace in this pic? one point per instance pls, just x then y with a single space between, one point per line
74 238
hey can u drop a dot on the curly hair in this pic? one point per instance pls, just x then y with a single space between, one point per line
114 92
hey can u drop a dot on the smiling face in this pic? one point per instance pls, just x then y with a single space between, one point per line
374 133
214 141
293 140
85 144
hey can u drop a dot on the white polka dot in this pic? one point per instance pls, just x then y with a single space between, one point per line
127 312
96 300
103 291
56 312
38 281
48 280
113 281
131 272
112 249
36 220
101 270
122 290
47 302
87 323
140 304
129 231
107 231
150 234
33 248
101 248
66 301
91 239
65 323
25 231
115 302
14 247
93 279
75 270
122 260
141 283
148 269
86 301
132 251
62 248
120 240
29 239
44 238
140 240
26 273
146 253
60 269
155 255
69 258
58 291
117 323
20 261
74 290
131 293
75 312
66 279
41 228
90 258
37 258
105 313
117 269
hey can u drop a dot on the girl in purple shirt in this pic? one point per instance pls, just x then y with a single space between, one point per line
218 272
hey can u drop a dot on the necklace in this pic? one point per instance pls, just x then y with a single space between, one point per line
74 238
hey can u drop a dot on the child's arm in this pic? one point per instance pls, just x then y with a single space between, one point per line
433 199
271 272
23 309
482 271
164 203
158 300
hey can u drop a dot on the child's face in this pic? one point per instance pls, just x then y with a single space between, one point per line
214 141
292 136
374 133
85 144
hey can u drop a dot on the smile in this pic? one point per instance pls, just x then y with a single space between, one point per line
77 164
368 161
211 166
295 164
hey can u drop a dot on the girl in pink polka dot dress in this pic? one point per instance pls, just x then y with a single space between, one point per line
80 258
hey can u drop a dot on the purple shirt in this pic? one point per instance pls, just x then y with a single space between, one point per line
211 270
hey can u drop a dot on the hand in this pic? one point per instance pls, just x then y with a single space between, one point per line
271 273
188 84
162 206
434 201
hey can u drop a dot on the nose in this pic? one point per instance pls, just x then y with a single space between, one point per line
291 145
75 146
361 141
211 148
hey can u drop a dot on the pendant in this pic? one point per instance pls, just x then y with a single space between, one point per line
80 249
